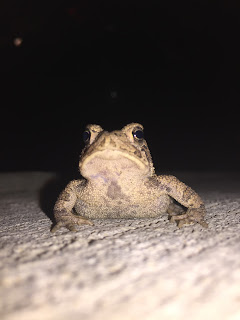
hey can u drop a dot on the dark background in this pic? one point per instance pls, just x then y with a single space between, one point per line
171 65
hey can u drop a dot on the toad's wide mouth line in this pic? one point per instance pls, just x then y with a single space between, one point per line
113 155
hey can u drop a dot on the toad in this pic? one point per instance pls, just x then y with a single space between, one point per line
119 181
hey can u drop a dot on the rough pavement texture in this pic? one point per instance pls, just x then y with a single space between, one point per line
118 269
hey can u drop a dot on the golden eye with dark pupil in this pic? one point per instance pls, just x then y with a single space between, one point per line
138 134
86 136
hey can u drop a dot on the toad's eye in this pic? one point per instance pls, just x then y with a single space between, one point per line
138 134
86 136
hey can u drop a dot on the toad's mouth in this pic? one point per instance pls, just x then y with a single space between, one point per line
111 162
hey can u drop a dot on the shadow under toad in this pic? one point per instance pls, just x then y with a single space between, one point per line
50 191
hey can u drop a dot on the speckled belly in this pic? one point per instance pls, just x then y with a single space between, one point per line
123 208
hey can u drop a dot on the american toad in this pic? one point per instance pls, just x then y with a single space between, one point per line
119 181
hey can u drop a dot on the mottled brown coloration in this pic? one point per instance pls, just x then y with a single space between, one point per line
119 181
114 191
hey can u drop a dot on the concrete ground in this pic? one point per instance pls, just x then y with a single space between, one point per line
118 269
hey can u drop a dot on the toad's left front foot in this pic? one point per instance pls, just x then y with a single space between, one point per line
192 215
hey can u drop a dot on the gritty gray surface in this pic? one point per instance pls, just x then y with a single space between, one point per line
118 269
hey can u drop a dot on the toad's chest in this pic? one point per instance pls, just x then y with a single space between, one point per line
115 201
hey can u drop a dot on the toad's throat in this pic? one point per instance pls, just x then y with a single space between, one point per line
111 161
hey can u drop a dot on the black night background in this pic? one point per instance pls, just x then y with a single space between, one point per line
171 65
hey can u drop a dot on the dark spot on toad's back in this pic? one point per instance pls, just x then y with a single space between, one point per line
152 182
65 196
102 143
138 153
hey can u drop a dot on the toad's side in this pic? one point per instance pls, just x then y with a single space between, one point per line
119 182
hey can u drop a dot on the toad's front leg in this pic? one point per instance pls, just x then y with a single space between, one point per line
63 208
187 197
